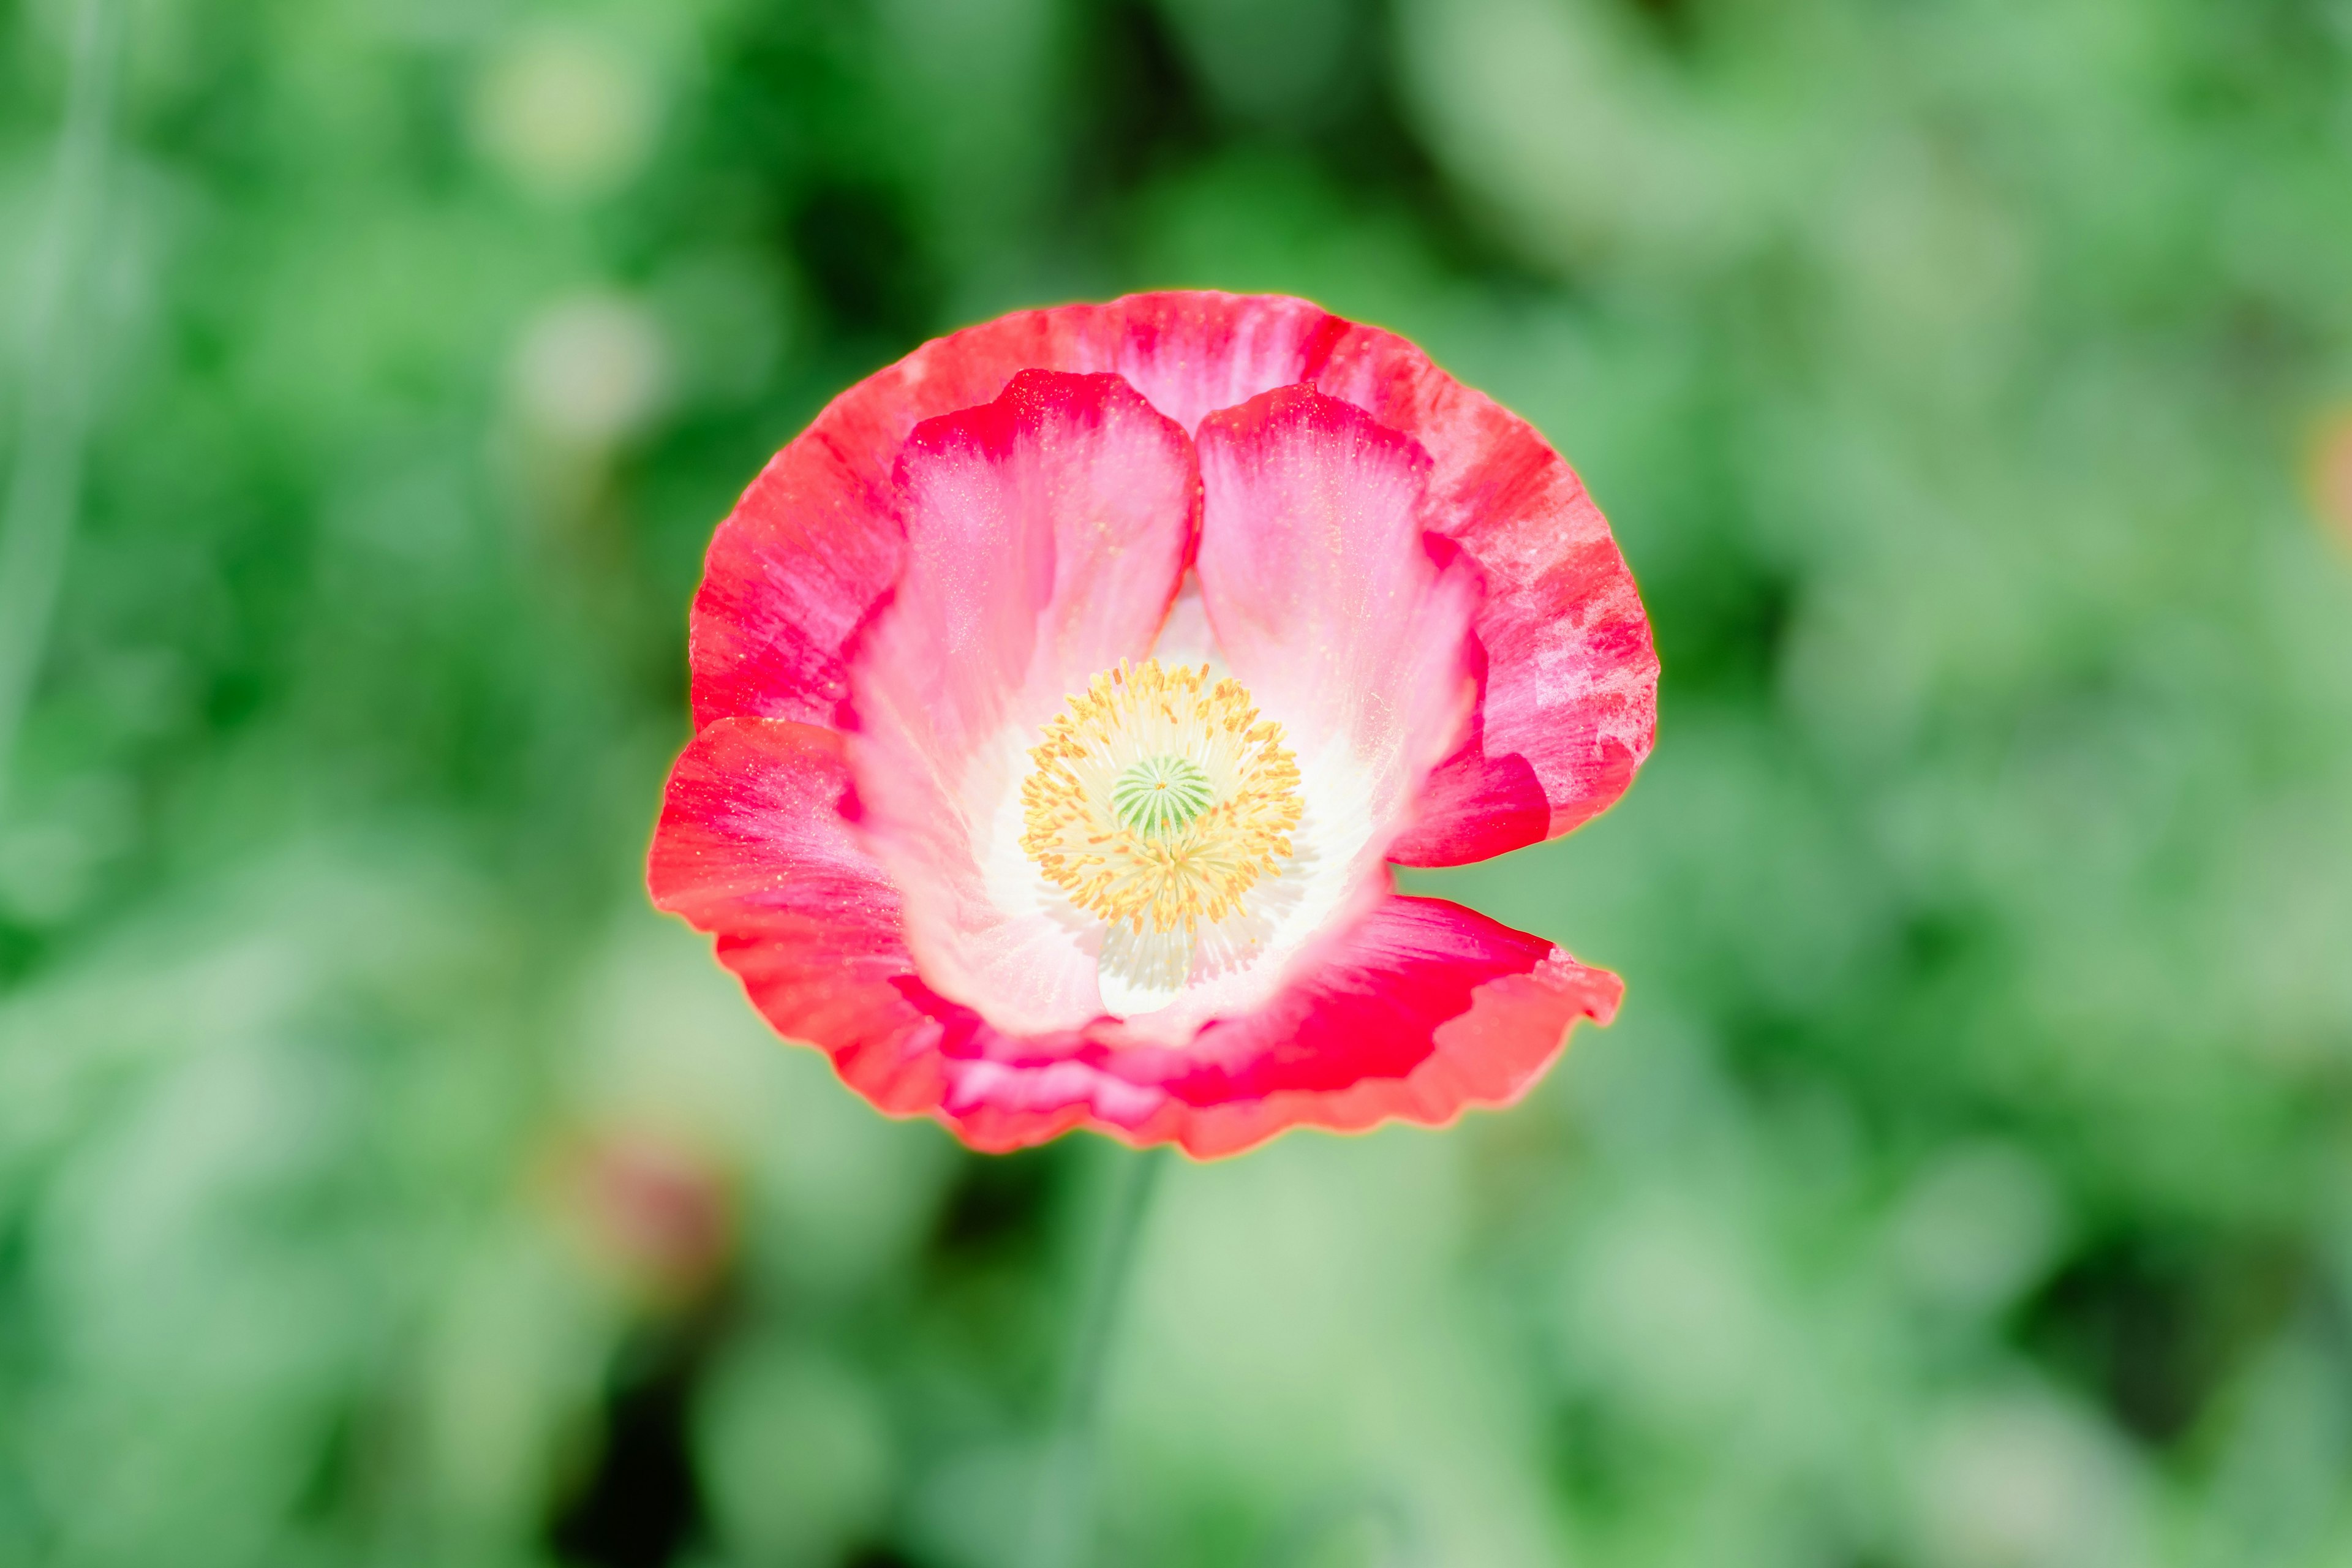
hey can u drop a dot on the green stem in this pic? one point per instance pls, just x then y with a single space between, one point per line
44 490
1061 1531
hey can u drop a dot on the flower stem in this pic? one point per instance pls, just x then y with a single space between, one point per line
44 490
1062 1530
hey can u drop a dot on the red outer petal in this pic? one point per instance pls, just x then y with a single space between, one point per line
1415 1012
752 848
1423 1010
1568 704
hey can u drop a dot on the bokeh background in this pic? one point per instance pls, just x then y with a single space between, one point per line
1967 1183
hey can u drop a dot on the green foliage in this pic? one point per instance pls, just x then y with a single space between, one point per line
1966 1185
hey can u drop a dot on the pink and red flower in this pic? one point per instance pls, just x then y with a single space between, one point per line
1063 695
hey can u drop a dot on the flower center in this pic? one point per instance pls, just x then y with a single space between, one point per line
1158 799
1162 795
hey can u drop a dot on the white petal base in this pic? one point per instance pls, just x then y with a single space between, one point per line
1142 973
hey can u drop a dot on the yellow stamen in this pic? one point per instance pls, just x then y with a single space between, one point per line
1160 870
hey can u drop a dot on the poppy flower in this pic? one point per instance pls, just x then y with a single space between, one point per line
1063 694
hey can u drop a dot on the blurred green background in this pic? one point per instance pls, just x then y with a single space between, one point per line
1967 1183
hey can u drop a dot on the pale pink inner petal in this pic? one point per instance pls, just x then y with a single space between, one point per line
1325 600
1046 533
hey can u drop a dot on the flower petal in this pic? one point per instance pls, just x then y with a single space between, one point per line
1326 600
1417 1012
755 848
1045 535
791 574
752 848
1567 702
813 544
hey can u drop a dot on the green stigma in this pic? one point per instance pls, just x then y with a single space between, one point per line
1161 796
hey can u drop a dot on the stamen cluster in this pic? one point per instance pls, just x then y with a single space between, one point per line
1160 800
